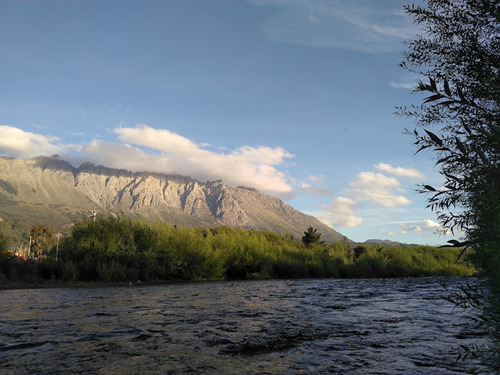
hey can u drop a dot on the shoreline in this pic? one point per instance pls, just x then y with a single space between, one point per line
57 284
15 285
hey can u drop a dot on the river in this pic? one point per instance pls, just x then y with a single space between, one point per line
376 326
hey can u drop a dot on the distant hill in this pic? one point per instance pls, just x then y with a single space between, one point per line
383 242
52 192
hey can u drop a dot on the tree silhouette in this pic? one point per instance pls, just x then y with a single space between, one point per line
312 236
458 56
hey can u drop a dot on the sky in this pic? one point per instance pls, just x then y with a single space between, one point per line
294 98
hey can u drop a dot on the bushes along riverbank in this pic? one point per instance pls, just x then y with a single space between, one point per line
117 250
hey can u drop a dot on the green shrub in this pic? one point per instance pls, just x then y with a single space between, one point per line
68 271
111 249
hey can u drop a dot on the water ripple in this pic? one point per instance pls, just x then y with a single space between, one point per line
263 327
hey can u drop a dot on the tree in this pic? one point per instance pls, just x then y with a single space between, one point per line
312 236
3 242
458 56
42 238
5 257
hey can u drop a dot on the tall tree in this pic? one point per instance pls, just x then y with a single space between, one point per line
42 239
457 56
311 236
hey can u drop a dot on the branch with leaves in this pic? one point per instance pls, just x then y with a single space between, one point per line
458 56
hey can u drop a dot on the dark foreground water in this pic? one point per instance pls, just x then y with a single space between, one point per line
388 326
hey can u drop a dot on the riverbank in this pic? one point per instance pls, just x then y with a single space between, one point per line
117 251
55 284
59 284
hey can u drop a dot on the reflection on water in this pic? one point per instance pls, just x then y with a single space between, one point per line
261 327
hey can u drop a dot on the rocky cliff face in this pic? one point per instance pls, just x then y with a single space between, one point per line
31 189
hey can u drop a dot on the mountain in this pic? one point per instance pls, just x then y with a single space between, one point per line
383 242
52 192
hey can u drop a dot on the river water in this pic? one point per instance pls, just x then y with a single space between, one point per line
376 326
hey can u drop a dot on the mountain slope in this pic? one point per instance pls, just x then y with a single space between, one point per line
52 192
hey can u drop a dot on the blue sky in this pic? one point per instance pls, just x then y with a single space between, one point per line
295 98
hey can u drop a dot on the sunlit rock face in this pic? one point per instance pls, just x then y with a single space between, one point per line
29 186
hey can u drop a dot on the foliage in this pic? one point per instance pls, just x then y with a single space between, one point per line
42 239
3 242
486 312
459 54
311 236
4 256
117 250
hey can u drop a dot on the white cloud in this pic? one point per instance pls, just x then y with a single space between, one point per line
388 233
314 186
399 171
377 189
403 85
261 154
406 228
340 213
247 166
121 156
157 139
407 81
15 142
155 150
355 25
431 225
425 225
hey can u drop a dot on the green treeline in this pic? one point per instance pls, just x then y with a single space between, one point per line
115 250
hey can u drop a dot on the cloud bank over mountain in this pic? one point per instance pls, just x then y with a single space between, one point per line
142 148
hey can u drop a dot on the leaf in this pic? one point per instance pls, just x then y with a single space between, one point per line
433 84
430 188
433 98
421 86
448 102
421 148
462 252
461 146
447 88
451 177
434 137
442 160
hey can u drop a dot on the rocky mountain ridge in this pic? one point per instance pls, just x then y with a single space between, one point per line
51 190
